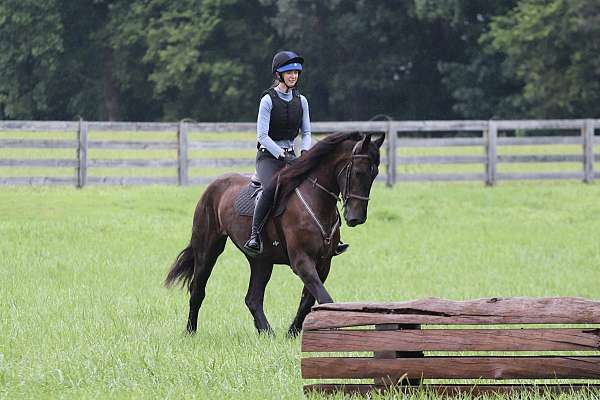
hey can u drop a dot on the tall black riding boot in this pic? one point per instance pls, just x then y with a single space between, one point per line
254 245
341 248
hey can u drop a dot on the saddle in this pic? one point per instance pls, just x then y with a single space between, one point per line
248 196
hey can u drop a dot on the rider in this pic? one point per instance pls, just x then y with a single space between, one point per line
281 114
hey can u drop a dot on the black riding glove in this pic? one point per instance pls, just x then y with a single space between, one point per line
288 158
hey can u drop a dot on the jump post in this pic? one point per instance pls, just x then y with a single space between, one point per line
402 335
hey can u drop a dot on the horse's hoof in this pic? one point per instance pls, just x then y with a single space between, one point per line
268 332
293 332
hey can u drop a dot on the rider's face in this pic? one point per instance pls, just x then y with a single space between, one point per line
290 78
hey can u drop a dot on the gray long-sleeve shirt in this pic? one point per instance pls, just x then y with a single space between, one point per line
262 125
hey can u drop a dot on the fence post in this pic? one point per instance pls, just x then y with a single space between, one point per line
588 150
392 134
182 154
492 158
82 147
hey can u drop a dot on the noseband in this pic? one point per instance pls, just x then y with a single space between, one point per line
346 194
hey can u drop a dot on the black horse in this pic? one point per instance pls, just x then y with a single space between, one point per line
304 236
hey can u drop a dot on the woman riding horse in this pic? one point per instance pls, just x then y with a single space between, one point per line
340 167
304 232
281 114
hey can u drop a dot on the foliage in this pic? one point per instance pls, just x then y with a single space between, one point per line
31 47
367 58
202 56
479 86
550 46
209 60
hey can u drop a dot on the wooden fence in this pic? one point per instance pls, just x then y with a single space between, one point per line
421 344
485 134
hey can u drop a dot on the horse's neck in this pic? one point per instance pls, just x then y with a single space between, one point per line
326 175
322 189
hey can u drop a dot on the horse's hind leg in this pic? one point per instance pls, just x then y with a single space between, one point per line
308 300
260 273
206 256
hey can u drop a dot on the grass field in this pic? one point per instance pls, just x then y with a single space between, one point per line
83 313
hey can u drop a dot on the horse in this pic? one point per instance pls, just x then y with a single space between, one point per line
340 167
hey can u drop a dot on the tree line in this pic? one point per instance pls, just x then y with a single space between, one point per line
209 60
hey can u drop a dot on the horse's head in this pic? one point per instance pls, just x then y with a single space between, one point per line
356 178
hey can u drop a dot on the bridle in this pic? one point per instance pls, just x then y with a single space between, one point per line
345 192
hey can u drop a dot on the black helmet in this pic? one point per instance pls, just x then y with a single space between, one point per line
288 59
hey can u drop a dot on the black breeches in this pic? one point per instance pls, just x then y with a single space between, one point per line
266 168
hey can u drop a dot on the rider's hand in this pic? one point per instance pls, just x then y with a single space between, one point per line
302 152
288 158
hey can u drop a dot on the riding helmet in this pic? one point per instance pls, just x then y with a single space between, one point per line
287 61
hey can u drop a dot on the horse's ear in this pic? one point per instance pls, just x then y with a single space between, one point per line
379 141
364 144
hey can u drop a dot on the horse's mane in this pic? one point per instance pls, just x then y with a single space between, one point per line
292 176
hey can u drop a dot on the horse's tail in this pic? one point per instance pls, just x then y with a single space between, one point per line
182 269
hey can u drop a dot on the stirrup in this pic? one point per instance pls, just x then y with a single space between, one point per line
341 248
251 250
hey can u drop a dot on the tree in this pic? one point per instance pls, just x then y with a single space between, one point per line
31 47
203 57
553 47
367 57
475 76
144 60
56 60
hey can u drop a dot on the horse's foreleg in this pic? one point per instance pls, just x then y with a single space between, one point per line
305 268
308 300
260 273
205 259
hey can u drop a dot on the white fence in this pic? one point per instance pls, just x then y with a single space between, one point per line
486 133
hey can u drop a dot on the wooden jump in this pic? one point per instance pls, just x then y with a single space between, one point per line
404 338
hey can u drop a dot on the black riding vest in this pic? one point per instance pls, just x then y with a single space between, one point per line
286 117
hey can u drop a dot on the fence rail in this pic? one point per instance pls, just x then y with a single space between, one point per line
489 142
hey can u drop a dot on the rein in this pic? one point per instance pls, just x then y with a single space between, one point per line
326 237
346 194
323 188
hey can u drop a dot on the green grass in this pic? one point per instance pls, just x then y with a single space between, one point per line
83 313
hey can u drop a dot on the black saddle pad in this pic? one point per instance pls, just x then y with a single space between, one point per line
246 200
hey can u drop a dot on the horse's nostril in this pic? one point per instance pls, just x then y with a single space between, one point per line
353 222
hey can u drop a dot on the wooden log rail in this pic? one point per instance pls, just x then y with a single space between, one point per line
556 340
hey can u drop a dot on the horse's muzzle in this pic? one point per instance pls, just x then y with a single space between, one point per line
355 221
